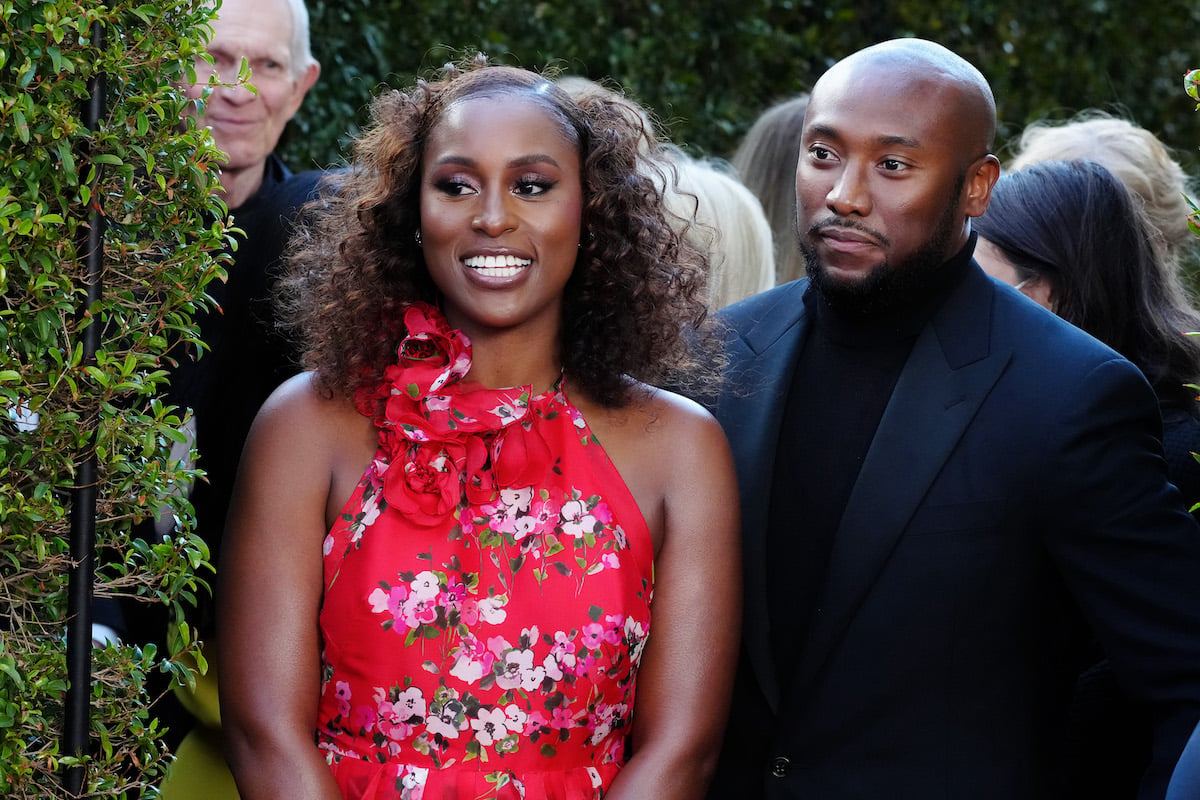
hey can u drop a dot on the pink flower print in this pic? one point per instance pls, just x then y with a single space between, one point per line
531 679
412 782
469 613
515 664
563 645
561 718
390 601
516 500
397 717
425 585
604 718
508 512
447 719
544 514
469 670
391 722
577 418
563 651
636 636
498 645
576 521
515 717
490 726
453 596
536 722
491 609
327 545
478 650
341 691
597 715
584 665
551 669
437 402
592 635
462 362
603 513
610 561
620 538
612 633
594 774
418 611
375 473
362 719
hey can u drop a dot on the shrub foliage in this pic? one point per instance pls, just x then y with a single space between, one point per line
707 69
150 179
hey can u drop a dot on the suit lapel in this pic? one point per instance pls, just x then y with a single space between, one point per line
947 376
761 360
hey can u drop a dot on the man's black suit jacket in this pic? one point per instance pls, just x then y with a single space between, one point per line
1015 489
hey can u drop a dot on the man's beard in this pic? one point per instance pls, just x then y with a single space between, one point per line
888 286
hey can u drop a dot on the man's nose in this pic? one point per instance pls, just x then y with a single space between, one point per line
850 193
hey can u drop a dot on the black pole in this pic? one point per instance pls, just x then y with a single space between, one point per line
77 713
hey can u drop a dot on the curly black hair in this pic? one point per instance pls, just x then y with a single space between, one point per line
633 306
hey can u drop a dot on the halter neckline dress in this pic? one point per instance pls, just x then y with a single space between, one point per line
487 593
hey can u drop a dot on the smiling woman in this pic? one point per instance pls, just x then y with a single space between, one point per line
501 209
460 592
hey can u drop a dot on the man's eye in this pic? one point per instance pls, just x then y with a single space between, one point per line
892 165
820 153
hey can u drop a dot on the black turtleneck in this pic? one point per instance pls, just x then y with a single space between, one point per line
844 377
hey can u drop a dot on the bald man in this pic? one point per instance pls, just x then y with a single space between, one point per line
940 481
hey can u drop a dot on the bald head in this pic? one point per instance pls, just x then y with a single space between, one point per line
910 67
894 162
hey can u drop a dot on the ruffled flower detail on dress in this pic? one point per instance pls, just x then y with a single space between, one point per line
449 442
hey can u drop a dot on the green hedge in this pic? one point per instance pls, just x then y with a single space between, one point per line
709 67
151 179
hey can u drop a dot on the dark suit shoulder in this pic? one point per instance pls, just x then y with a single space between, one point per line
746 313
299 189
1038 336
760 321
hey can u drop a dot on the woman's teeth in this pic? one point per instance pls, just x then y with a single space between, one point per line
497 266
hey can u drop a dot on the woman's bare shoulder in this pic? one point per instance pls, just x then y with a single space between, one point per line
299 416
299 400
654 428
658 413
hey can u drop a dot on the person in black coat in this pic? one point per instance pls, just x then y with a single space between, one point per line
1073 237
946 491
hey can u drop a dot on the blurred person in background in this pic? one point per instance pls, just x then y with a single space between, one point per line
765 162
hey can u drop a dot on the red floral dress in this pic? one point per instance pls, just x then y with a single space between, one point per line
487 593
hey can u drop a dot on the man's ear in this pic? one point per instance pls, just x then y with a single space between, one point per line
980 180
303 84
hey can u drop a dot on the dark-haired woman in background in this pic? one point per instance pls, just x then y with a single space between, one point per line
1071 236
